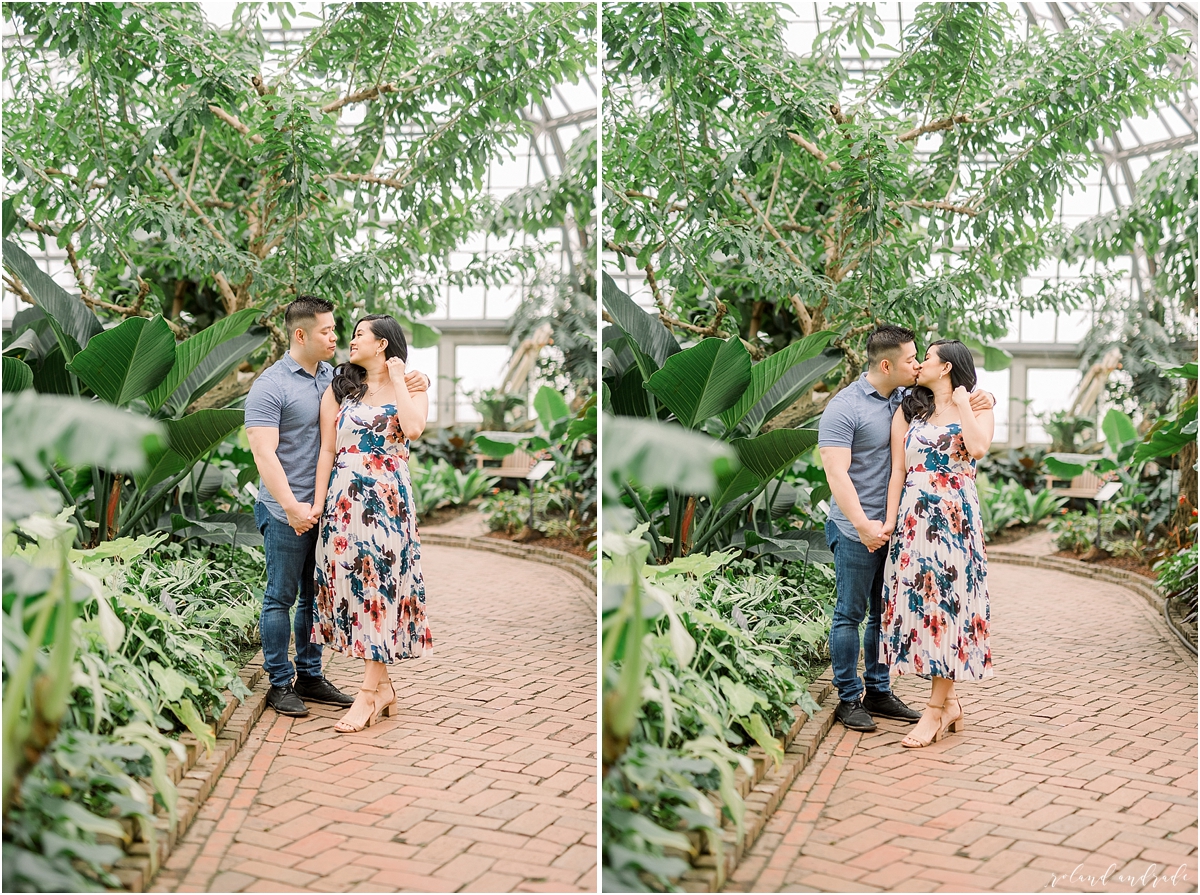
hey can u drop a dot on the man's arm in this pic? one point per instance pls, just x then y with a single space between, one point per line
836 461
981 401
264 441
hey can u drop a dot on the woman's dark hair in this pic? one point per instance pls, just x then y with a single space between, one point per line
351 379
918 403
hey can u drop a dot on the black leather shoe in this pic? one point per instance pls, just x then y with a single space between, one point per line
854 716
285 701
887 705
319 689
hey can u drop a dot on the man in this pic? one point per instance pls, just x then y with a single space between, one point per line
855 445
283 413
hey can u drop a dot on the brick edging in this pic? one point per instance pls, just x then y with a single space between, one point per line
195 778
572 565
764 790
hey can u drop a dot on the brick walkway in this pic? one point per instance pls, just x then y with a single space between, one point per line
1079 758
484 782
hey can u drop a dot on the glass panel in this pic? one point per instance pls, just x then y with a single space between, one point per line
1050 390
1074 326
1037 327
997 382
466 303
476 367
502 301
426 360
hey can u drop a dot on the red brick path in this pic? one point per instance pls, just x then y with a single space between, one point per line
1078 760
485 782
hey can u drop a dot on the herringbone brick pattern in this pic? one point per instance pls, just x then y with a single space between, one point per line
485 782
1077 770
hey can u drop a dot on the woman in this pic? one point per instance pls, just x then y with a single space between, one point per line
935 612
370 592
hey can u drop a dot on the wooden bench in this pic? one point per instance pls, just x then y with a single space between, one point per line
515 466
1084 486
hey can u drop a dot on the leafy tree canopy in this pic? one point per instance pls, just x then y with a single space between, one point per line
772 196
199 171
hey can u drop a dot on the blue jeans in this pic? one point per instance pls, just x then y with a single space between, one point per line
859 595
291 567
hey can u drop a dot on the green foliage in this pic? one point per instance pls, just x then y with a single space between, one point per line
1008 503
1150 324
441 485
152 141
774 194
710 387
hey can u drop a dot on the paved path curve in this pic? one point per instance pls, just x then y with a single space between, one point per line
486 781
1077 769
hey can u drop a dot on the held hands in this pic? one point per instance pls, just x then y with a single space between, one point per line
875 534
961 397
302 517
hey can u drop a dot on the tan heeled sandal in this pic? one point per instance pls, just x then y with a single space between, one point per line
954 725
388 709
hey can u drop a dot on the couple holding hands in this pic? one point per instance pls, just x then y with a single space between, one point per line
336 510
899 448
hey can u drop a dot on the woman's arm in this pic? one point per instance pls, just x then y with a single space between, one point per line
977 428
411 410
899 471
329 411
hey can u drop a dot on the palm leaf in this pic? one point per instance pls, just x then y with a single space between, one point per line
188 440
770 454
764 375
704 380
191 352
73 321
127 361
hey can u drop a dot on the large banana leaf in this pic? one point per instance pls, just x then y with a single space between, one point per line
75 432
17 375
790 386
704 380
188 440
648 336
770 454
656 455
765 374
191 352
212 369
629 397
734 483
51 376
73 321
127 361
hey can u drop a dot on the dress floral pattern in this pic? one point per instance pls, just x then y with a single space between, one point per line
370 592
936 614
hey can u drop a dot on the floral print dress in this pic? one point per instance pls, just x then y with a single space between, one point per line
370 592
936 614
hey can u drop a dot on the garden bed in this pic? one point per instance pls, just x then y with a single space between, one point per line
194 778
1125 563
561 544
763 791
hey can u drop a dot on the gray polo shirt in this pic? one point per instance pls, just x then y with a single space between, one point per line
860 418
287 398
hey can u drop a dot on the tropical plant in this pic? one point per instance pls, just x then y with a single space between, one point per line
1068 432
772 195
711 387
1151 324
1177 582
60 347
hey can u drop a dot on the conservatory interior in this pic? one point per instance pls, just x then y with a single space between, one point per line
173 176
778 179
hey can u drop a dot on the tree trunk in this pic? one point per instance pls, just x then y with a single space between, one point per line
1187 481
